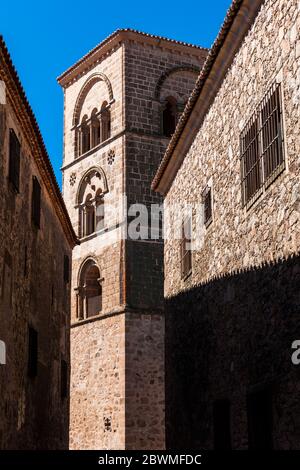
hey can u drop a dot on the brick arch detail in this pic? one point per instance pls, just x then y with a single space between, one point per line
90 82
165 75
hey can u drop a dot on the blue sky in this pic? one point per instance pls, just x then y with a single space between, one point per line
45 38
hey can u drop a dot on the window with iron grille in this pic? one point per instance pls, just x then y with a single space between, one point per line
261 146
32 352
260 419
207 205
185 248
36 202
222 427
14 159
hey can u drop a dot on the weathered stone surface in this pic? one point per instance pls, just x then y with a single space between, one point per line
239 307
33 415
117 384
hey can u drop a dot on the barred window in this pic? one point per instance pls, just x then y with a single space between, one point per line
261 144
14 159
207 205
185 248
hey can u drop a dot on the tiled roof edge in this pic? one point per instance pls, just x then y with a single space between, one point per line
14 86
112 36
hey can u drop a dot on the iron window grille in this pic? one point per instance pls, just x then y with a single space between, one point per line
261 147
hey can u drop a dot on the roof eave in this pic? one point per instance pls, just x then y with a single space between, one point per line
113 41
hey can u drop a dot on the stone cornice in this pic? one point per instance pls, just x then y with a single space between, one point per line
237 23
22 109
113 41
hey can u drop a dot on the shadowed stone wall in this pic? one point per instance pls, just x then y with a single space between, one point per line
33 293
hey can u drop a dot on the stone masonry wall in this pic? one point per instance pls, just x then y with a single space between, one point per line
240 328
123 345
225 340
148 73
151 75
144 381
239 238
98 384
97 347
111 66
32 413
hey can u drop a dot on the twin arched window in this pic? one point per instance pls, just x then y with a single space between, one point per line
89 291
94 129
90 202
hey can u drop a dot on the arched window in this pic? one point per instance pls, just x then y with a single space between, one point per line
105 122
89 291
95 128
90 202
85 135
169 116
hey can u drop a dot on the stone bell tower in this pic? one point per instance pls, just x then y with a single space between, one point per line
121 104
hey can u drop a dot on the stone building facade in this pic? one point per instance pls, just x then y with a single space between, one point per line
233 383
36 241
121 104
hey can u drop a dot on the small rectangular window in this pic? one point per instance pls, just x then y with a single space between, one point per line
36 202
261 147
64 379
207 205
32 352
66 269
185 248
222 431
259 411
14 159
